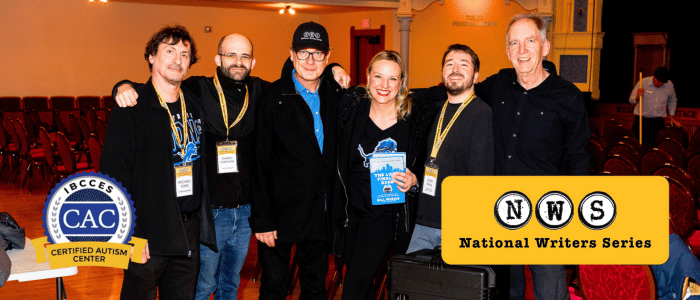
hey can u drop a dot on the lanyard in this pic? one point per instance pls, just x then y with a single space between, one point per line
224 110
178 141
439 134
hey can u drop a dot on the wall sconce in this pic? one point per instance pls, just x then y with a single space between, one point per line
288 9
101 1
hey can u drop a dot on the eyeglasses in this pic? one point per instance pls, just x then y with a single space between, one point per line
304 55
233 56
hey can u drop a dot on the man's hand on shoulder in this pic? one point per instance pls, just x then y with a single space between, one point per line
126 96
341 76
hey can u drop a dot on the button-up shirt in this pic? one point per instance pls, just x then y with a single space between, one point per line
655 99
537 131
314 102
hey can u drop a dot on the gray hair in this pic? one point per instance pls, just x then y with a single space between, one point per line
536 18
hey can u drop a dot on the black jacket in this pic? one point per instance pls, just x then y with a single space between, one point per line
231 189
137 152
291 177
353 115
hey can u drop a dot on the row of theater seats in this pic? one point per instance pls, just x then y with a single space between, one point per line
676 157
16 104
52 143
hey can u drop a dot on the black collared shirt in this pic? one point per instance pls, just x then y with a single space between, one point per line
540 131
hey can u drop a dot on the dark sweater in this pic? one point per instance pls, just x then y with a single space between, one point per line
467 150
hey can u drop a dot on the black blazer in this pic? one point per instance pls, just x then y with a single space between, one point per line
137 152
291 176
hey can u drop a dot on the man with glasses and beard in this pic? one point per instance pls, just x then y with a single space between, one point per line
229 100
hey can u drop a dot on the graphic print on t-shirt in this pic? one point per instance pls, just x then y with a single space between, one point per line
194 130
387 145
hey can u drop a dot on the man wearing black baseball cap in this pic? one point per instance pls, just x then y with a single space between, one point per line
294 166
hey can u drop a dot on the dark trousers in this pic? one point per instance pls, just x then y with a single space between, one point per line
313 268
548 282
650 128
174 277
367 242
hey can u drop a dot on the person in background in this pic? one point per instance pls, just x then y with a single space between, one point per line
657 93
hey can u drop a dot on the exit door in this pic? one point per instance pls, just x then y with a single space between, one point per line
365 43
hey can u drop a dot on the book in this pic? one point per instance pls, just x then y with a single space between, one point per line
381 167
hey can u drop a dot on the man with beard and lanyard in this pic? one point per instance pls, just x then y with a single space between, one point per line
540 127
462 144
229 101
153 150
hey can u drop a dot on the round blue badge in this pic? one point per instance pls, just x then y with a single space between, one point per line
89 207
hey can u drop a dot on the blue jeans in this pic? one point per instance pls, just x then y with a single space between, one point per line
424 237
220 272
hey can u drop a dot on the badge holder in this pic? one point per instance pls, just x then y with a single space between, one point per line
430 178
183 180
227 157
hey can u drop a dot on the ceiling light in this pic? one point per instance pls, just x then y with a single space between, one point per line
288 9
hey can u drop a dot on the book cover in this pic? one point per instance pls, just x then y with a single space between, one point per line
382 166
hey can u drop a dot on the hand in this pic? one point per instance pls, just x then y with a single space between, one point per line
341 77
126 96
673 122
268 238
640 92
405 180
145 254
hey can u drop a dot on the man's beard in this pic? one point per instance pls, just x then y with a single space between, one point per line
457 88
236 75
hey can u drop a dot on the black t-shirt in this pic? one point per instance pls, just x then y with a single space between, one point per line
466 150
374 140
192 153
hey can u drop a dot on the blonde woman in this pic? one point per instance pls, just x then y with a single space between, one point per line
383 117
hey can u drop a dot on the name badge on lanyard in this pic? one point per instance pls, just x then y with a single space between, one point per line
227 151
227 157
430 178
183 180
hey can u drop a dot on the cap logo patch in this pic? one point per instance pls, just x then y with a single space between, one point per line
312 36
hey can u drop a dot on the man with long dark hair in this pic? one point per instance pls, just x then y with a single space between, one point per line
153 149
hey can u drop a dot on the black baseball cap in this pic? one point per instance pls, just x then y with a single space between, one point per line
310 35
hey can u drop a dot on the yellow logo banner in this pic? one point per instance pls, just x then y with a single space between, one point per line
555 220
97 254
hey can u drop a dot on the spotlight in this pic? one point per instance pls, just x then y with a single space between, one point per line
291 11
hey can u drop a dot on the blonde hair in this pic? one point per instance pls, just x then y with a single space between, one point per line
403 101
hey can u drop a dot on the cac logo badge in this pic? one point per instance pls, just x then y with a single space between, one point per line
89 207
